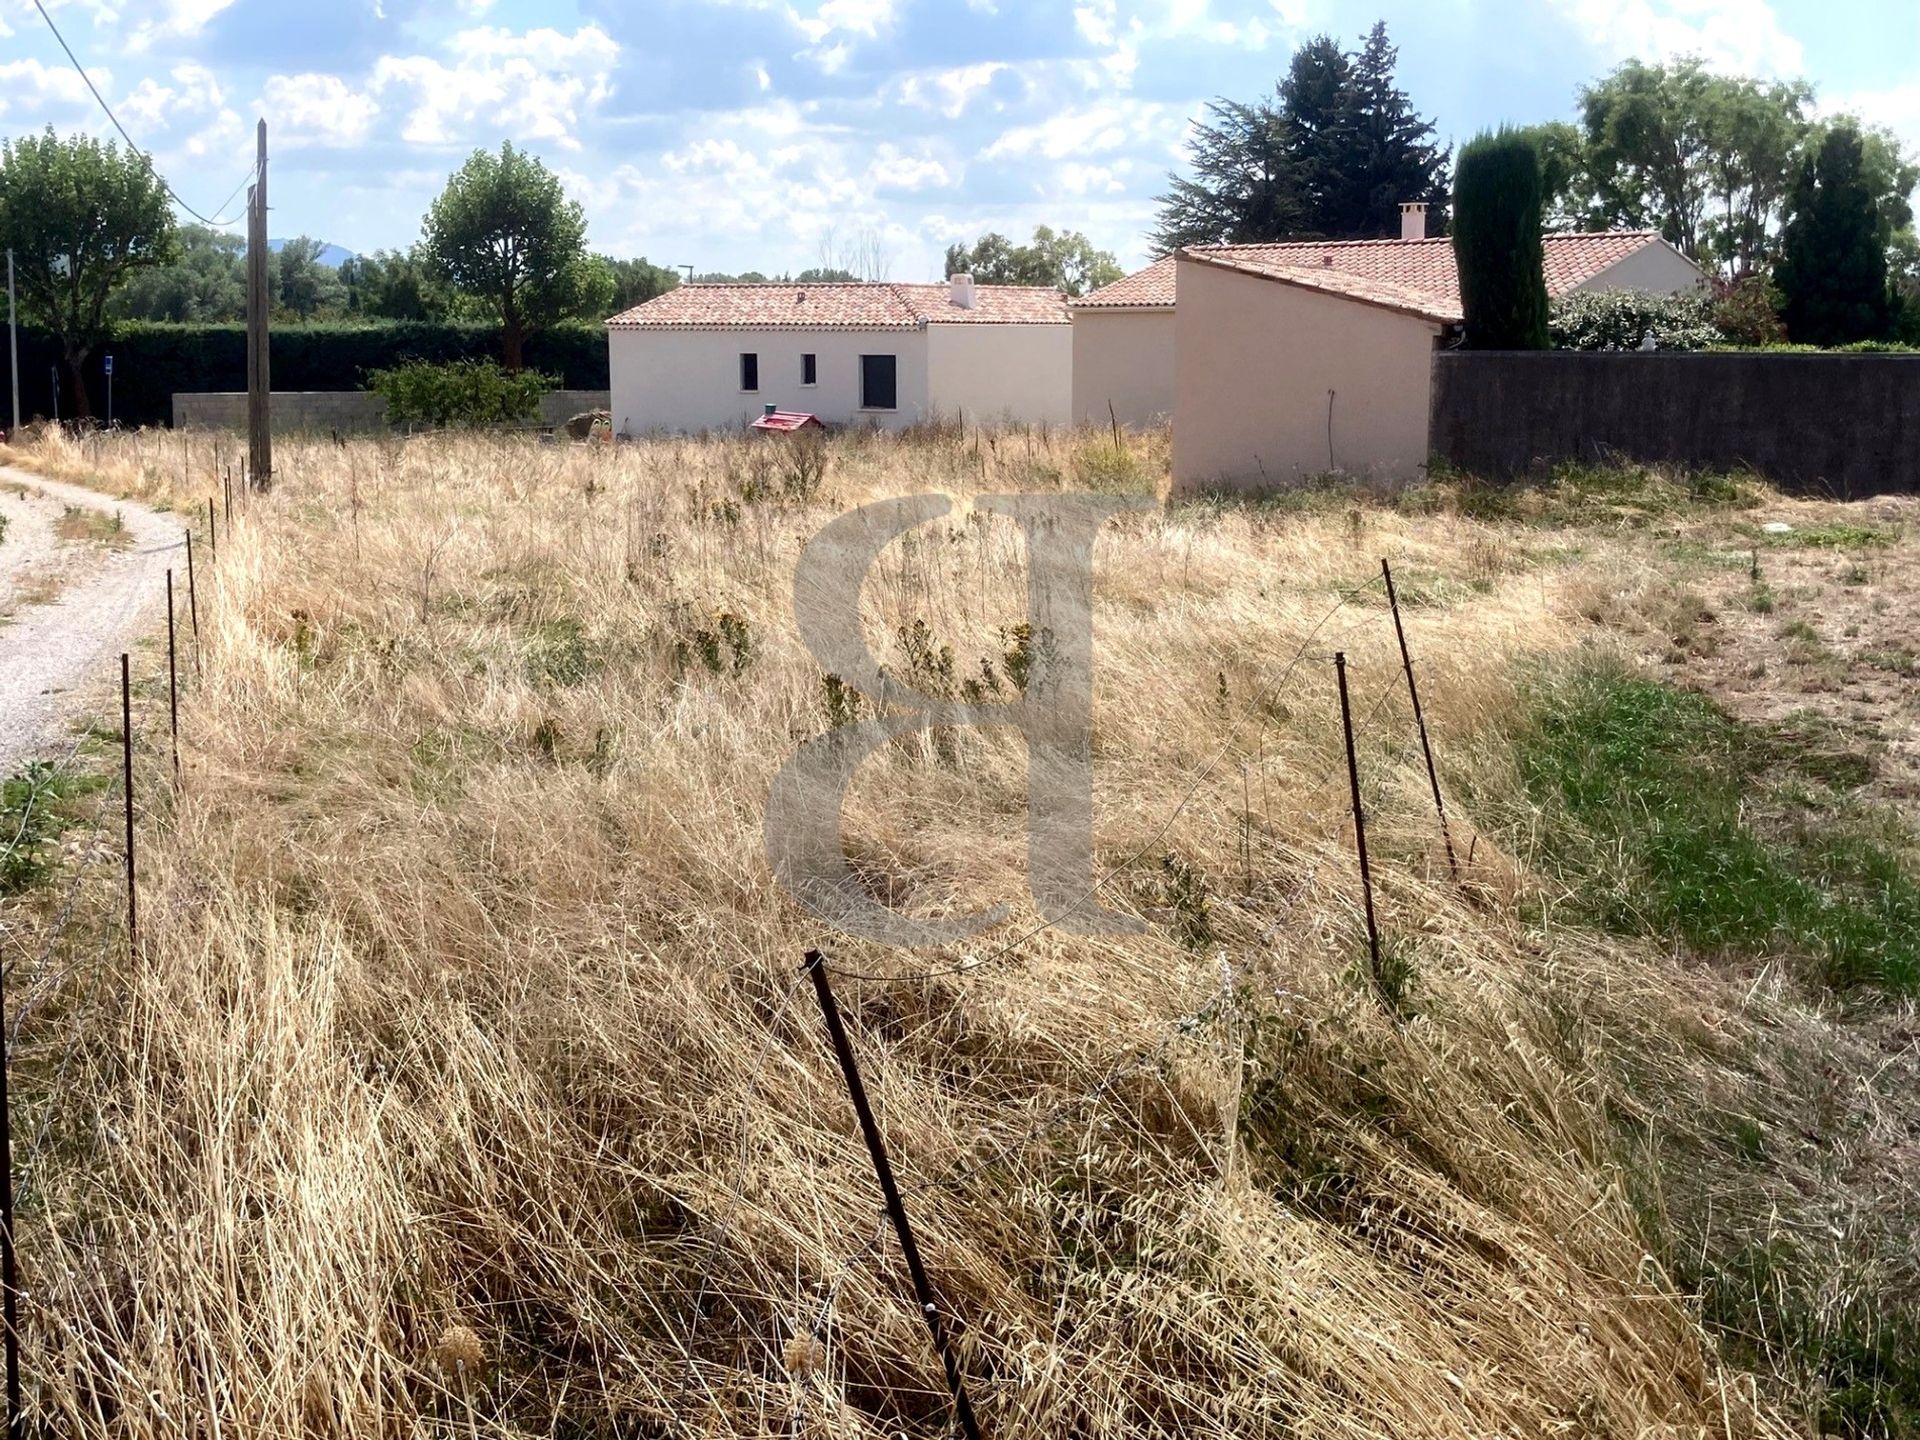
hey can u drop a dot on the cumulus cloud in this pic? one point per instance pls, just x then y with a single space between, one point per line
174 20
318 110
536 85
1743 36
1087 130
28 89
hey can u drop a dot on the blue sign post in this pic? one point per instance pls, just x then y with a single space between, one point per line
109 364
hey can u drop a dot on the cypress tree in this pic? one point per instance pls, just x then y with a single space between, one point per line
1833 262
1497 205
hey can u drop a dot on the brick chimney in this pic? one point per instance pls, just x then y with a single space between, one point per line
1413 219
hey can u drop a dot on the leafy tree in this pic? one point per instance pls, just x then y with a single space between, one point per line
1705 159
826 275
1566 189
1333 153
505 232
1065 260
1755 130
206 283
1496 241
1833 262
301 284
721 277
636 281
81 218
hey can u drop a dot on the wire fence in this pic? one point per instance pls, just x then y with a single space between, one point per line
78 940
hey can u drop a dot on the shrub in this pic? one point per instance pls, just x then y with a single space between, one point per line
1748 312
1620 319
466 394
1497 209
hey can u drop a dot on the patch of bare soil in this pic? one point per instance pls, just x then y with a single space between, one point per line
1816 629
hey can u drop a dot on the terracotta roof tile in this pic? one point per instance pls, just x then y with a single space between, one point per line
1417 275
1152 287
879 305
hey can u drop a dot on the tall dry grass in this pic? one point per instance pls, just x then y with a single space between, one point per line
466 998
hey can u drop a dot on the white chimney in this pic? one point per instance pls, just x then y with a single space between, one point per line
1413 219
963 291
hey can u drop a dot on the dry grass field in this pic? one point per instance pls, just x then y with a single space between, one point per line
465 1081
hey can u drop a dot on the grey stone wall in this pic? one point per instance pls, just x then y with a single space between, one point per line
343 410
1843 425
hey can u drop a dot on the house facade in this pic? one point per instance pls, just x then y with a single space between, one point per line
715 356
1124 345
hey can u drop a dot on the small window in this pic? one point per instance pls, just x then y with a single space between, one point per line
877 388
809 375
749 371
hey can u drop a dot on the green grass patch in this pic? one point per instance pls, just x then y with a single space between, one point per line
1836 536
1609 495
1670 817
35 808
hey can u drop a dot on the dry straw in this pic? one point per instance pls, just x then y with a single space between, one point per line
460 942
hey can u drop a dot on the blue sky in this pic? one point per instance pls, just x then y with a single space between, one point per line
769 133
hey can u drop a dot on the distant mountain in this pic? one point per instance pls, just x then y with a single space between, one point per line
332 255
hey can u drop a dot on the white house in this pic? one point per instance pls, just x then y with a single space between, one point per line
1123 333
714 356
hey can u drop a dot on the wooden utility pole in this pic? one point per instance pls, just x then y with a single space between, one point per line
259 376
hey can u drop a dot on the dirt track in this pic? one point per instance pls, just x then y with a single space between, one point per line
68 607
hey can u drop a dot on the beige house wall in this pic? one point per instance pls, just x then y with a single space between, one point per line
689 380
1254 360
1124 357
1655 269
991 374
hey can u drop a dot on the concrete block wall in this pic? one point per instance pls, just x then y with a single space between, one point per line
1841 425
342 410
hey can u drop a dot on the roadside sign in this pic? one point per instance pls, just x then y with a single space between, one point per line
109 364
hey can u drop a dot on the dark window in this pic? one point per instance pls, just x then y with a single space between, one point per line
808 372
749 372
877 391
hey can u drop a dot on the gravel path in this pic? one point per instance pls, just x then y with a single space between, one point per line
50 654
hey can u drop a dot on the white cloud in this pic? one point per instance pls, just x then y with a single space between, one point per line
320 111
1742 36
856 17
176 20
154 106
893 170
28 88
949 91
537 85
1089 130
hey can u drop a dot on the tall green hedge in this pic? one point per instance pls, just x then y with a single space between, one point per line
152 360
1498 206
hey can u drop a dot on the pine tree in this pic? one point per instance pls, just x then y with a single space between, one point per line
1393 155
1245 184
1332 155
1497 198
1833 263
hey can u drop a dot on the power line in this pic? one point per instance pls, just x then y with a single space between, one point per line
133 144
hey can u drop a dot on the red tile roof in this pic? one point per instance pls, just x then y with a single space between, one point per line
1414 275
875 305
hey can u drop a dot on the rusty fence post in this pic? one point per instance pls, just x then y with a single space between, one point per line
173 683
896 1212
1420 720
126 785
1359 821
